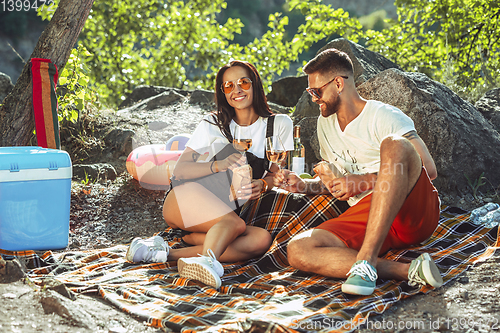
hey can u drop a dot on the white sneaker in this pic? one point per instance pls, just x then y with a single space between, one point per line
206 269
149 250
423 270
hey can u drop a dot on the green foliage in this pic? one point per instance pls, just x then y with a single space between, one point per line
136 42
274 51
74 91
445 39
374 21
476 184
47 9
181 44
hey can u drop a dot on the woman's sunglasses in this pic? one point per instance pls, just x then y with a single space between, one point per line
228 86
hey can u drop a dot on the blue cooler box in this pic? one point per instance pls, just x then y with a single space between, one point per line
35 195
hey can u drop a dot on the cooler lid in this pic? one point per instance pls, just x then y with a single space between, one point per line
29 157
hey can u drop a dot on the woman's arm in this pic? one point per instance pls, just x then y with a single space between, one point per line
188 168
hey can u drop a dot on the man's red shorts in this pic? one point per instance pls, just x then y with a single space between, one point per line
416 221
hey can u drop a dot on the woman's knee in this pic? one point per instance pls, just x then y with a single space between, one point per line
231 222
261 242
195 238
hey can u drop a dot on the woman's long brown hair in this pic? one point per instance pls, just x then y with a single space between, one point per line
225 112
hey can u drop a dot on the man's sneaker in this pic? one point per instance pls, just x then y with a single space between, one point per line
206 269
361 280
149 250
424 271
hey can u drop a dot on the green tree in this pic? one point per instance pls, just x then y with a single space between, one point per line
453 41
275 50
176 43
137 42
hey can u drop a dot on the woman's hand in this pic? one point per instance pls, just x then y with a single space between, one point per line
255 188
232 161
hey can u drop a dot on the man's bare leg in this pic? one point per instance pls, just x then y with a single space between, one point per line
399 172
321 252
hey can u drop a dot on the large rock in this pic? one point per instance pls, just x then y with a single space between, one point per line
144 92
155 102
52 302
489 106
366 63
287 91
5 86
306 115
276 108
120 141
93 172
305 108
202 97
461 141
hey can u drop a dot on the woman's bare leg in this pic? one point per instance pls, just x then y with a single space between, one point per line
193 208
252 243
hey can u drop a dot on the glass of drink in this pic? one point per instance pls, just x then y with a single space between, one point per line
242 140
275 150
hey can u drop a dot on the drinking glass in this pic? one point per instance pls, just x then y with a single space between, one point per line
275 150
242 140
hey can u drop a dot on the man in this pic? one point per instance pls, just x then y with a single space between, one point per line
386 178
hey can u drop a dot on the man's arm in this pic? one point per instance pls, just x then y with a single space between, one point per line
422 150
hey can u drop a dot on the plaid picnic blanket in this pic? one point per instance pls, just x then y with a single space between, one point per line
263 294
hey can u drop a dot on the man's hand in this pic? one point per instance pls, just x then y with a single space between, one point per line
289 181
345 187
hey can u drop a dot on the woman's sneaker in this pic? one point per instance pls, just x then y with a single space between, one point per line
206 269
423 271
149 250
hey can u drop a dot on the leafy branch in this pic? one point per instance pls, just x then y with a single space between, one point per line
476 184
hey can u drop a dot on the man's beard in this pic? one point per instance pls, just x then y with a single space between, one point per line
331 107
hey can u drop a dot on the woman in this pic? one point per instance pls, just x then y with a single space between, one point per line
200 201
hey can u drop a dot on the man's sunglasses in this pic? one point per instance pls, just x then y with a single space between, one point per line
228 86
316 92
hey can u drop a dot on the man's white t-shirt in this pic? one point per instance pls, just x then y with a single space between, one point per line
356 150
208 140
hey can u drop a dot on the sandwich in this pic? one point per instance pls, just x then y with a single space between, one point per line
242 176
325 171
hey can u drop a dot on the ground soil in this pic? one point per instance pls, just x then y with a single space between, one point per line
105 213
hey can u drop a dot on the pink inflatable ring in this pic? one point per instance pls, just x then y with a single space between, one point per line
152 164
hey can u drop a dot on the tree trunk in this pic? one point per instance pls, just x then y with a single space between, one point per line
55 43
